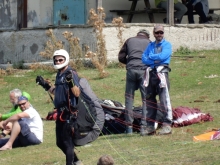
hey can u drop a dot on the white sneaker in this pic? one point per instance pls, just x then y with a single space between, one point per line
78 163
165 130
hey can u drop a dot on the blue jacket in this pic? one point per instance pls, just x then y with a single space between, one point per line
157 54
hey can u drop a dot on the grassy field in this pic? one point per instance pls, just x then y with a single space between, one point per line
191 80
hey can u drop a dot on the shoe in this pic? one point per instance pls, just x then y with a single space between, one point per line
165 130
176 21
208 22
147 131
78 163
129 130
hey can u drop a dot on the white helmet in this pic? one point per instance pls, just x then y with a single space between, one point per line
64 53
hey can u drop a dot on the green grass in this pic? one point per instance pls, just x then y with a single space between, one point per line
188 84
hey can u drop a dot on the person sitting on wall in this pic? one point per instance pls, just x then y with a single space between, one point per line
180 9
200 6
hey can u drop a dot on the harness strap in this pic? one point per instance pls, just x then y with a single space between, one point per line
147 76
160 70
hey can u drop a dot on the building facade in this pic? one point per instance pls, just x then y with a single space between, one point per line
23 24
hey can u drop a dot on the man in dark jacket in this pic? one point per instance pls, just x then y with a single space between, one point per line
131 54
76 123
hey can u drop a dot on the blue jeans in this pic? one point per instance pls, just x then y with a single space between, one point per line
25 137
134 81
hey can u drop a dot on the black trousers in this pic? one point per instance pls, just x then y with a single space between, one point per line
199 10
152 90
64 141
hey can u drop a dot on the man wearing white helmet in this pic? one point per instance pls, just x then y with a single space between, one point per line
63 100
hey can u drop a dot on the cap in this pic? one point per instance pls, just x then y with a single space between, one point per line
22 98
144 31
158 28
26 95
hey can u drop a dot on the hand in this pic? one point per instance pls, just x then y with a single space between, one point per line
68 76
4 124
43 83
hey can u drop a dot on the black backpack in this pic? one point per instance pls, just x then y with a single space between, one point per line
86 110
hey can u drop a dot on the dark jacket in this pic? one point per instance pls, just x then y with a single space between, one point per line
132 50
62 90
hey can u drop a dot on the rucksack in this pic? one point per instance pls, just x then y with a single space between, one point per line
115 117
86 110
52 115
86 115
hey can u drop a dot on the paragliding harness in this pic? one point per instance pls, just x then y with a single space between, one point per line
81 118
52 115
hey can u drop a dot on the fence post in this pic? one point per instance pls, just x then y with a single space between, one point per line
170 12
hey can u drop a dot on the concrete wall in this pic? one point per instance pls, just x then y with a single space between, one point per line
39 13
26 45
194 37
8 14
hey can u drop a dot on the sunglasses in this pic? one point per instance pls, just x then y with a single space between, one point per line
60 60
22 104
160 32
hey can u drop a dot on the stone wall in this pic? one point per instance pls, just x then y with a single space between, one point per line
25 45
192 36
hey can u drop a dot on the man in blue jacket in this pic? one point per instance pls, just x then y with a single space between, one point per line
157 57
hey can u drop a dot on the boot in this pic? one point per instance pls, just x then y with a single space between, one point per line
147 130
129 130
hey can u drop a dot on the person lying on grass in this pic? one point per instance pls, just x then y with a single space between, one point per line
27 127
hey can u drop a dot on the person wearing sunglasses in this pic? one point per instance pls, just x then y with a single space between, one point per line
157 57
66 92
13 96
27 127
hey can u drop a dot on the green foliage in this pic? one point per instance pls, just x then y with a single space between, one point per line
194 83
19 65
184 51
115 64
